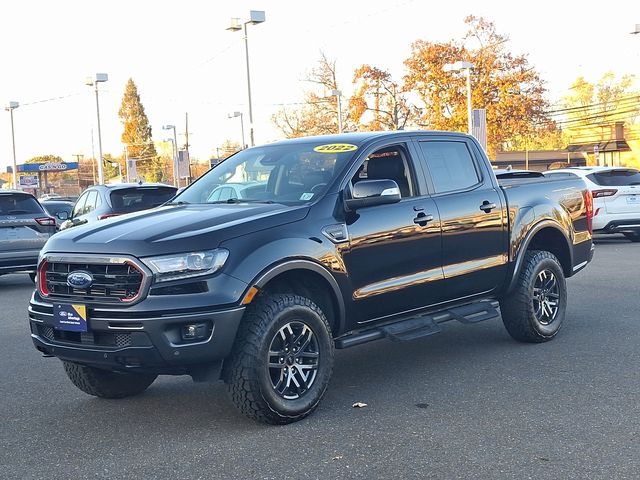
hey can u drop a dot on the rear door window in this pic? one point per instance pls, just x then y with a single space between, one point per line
450 165
616 178
134 199
18 204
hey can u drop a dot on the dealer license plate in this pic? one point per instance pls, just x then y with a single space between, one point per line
72 318
633 199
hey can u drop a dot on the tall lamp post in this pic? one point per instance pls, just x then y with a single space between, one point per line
338 95
174 141
457 67
255 17
10 108
91 81
239 114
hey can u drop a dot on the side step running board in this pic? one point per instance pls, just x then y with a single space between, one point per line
422 326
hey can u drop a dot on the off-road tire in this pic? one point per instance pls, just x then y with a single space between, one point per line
518 306
634 237
246 371
106 384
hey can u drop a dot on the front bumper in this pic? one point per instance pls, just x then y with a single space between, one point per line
141 342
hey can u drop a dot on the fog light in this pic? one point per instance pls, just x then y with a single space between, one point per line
194 331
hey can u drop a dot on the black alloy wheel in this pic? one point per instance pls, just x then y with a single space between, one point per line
546 297
293 360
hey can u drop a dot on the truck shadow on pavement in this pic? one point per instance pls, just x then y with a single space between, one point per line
380 373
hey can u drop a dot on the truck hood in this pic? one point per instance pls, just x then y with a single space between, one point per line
172 229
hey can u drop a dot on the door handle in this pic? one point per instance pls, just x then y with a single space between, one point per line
423 218
487 206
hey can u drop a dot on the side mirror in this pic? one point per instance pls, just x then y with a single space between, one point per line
62 215
369 193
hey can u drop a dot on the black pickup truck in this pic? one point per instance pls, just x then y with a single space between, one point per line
261 268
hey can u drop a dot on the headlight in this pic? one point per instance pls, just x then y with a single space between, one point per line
186 265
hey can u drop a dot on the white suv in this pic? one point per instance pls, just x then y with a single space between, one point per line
616 197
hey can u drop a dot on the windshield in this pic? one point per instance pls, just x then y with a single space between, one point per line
289 173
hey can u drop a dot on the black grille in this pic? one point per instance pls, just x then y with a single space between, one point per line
104 339
112 281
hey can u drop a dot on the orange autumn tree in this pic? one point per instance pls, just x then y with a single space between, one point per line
503 83
379 102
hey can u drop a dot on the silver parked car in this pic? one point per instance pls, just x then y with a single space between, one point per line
24 229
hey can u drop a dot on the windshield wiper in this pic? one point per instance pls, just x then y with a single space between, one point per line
238 200
180 202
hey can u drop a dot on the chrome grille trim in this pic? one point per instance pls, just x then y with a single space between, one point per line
108 287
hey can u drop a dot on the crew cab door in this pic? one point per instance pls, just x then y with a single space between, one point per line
394 250
472 214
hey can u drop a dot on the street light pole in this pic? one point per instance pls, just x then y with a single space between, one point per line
466 66
255 17
99 77
10 108
239 114
174 141
469 111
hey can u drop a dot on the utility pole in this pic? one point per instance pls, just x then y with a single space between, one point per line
79 156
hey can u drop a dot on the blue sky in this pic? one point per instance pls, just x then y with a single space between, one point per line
183 60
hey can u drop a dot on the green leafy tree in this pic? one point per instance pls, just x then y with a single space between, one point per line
137 135
606 101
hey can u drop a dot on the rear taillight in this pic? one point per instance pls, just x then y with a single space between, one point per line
42 278
606 192
107 215
588 205
46 221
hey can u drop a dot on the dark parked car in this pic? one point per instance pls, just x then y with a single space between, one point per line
24 229
348 239
105 201
59 209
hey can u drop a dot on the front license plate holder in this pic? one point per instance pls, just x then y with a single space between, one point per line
70 318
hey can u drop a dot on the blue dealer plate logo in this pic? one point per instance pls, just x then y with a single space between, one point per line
79 279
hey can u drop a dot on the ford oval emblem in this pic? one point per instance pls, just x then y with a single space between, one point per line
79 279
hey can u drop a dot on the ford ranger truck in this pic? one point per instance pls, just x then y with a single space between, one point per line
284 252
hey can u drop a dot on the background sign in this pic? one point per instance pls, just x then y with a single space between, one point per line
29 181
48 167
183 164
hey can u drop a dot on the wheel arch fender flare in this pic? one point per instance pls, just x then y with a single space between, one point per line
302 264
526 242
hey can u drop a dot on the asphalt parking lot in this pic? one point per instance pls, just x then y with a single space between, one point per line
467 403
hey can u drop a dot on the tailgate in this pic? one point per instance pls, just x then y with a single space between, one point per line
625 200
22 232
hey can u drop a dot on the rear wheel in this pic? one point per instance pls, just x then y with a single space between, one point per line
282 359
535 309
633 236
106 384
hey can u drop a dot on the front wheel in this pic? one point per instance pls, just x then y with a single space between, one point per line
282 359
106 384
534 311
